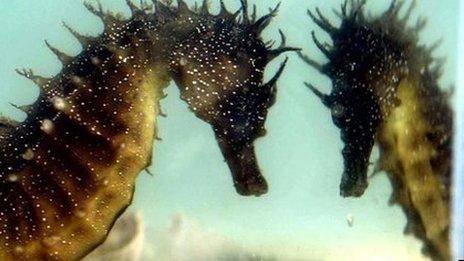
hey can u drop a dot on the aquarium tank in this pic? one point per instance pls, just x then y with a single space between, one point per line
231 130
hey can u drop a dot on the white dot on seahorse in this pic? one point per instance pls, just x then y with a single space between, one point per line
47 126
19 250
59 103
183 61
50 241
95 60
76 79
28 154
12 178
80 213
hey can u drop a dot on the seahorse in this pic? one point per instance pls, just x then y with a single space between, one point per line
68 171
385 91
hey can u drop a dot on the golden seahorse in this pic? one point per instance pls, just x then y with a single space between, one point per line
68 170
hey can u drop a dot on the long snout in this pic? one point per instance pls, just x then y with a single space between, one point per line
247 177
354 178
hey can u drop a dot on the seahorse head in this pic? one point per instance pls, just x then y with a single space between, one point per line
365 67
218 66
356 113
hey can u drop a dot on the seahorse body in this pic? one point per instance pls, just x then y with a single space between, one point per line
68 170
385 91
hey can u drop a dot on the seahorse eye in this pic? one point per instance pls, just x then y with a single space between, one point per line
337 110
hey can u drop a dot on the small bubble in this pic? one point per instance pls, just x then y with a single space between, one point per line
350 219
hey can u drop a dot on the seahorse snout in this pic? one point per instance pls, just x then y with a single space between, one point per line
241 158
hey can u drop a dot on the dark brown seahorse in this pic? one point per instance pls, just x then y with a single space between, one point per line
68 170
221 81
385 91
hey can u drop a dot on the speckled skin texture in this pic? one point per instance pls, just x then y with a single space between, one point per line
221 81
68 170
387 94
